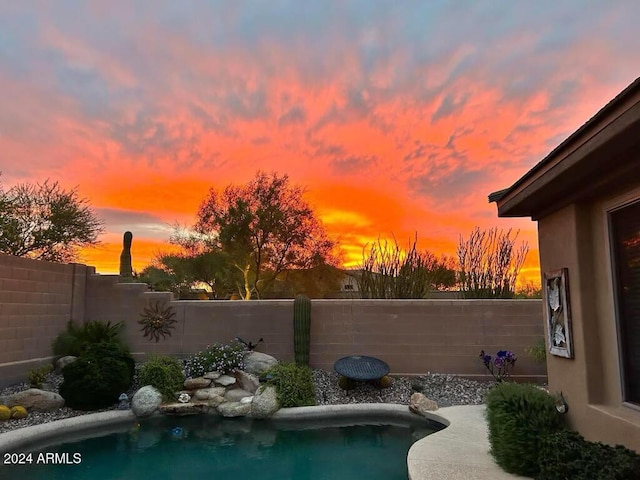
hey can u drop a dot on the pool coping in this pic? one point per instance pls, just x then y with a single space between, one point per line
459 451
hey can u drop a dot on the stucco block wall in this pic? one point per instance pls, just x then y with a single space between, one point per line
412 336
37 299
576 238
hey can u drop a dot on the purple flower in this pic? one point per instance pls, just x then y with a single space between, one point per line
499 362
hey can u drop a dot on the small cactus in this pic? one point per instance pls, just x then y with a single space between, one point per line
384 382
301 329
5 413
18 412
126 270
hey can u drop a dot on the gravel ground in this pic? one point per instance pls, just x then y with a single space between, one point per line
447 390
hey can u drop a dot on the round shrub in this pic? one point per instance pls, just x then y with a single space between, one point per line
98 377
518 416
5 413
293 383
164 373
18 412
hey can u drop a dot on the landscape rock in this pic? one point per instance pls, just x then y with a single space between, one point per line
196 383
63 362
234 409
247 399
215 400
34 399
248 382
179 409
207 393
236 395
212 375
146 401
225 380
420 404
265 402
257 362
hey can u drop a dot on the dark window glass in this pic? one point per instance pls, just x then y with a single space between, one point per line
625 224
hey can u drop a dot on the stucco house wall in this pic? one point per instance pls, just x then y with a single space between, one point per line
571 194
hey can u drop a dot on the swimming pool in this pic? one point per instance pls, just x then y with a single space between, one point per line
190 447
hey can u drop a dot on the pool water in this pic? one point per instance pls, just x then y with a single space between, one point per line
214 448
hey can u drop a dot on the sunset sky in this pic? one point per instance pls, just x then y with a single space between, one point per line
398 116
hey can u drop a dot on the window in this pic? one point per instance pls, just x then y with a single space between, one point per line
625 236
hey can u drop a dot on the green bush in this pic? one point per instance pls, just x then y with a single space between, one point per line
293 383
538 351
96 380
164 373
37 376
75 339
518 416
216 358
568 455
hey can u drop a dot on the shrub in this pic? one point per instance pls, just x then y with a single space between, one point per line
518 416
37 376
216 358
293 383
538 351
164 373
98 377
568 455
75 339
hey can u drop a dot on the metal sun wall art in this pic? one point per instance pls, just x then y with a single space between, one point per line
558 313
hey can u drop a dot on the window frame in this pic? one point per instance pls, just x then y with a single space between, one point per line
613 265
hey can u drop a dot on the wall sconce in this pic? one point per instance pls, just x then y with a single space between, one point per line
561 405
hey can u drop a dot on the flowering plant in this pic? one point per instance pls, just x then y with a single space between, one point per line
216 358
500 365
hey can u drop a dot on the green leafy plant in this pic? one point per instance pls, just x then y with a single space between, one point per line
518 416
293 383
98 377
568 455
157 321
164 373
37 376
216 358
76 338
538 351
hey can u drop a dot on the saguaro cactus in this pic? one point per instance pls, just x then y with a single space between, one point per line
301 329
126 271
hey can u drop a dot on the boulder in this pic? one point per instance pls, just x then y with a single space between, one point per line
236 395
247 381
234 409
179 409
214 400
225 380
247 399
420 404
146 401
34 399
207 393
212 375
64 361
265 402
196 383
258 362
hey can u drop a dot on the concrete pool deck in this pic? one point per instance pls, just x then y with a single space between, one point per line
459 451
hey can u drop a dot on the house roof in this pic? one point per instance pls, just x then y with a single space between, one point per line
595 156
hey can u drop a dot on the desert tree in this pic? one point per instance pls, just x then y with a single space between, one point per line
489 263
264 227
45 222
